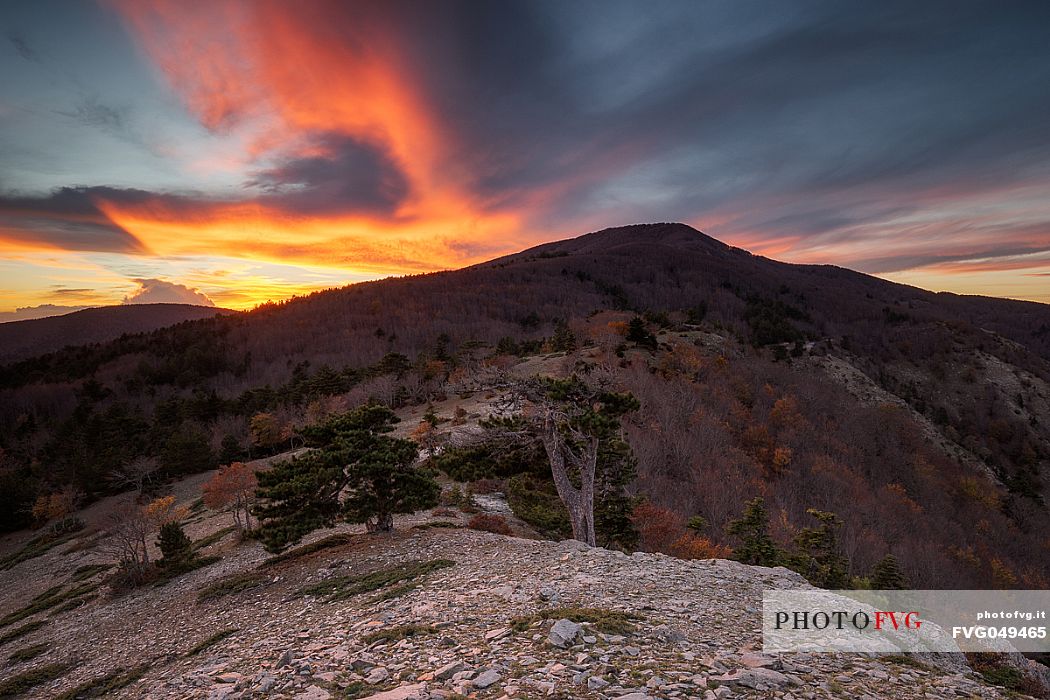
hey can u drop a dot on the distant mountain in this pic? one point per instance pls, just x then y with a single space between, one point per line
21 339
921 419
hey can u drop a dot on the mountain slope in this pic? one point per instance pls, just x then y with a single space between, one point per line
481 625
811 386
22 339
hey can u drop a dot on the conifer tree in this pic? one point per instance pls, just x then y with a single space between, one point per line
579 428
817 556
358 474
752 527
175 545
887 575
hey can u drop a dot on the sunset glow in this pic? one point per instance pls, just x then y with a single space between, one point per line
255 150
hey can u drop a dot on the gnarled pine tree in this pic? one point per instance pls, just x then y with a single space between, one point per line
358 474
578 424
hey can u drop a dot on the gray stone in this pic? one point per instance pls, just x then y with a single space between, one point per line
486 678
563 633
449 670
596 683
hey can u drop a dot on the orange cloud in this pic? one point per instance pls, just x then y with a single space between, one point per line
278 71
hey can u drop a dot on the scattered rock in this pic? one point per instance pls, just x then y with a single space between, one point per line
564 632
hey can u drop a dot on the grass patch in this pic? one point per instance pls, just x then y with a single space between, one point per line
197 506
36 547
337 540
211 539
23 630
47 600
167 574
357 689
16 685
396 634
601 619
395 592
104 685
87 571
71 604
232 584
904 660
30 652
212 641
343 587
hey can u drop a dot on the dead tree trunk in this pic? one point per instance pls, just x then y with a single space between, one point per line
578 501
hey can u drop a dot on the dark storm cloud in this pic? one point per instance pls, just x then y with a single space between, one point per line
847 104
347 176
67 218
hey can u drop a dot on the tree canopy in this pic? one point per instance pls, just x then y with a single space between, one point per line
357 473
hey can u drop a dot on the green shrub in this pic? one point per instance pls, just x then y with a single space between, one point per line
342 587
104 685
330 542
212 641
23 682
232 584
537 503
602 619
175 546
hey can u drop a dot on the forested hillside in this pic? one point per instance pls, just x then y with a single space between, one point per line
22 339
921 420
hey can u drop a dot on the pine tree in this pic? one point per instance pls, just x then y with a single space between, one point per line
637 333
887 575
175 546
817 556
358 473
563 340
758 547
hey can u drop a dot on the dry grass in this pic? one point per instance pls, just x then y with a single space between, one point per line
17 685
232 584
212 641
104 685
396 634
601 619
330 542
342 587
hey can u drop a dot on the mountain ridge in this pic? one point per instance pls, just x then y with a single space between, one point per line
29 337
763 378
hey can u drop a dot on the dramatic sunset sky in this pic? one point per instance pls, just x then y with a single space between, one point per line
231 152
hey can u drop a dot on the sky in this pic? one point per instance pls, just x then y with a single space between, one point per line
231 152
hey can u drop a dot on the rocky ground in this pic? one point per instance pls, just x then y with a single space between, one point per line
439 612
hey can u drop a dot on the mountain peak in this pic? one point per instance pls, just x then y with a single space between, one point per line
671 234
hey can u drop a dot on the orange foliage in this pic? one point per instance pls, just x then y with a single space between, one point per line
693 546
163 511
658 528
233 485
785 414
